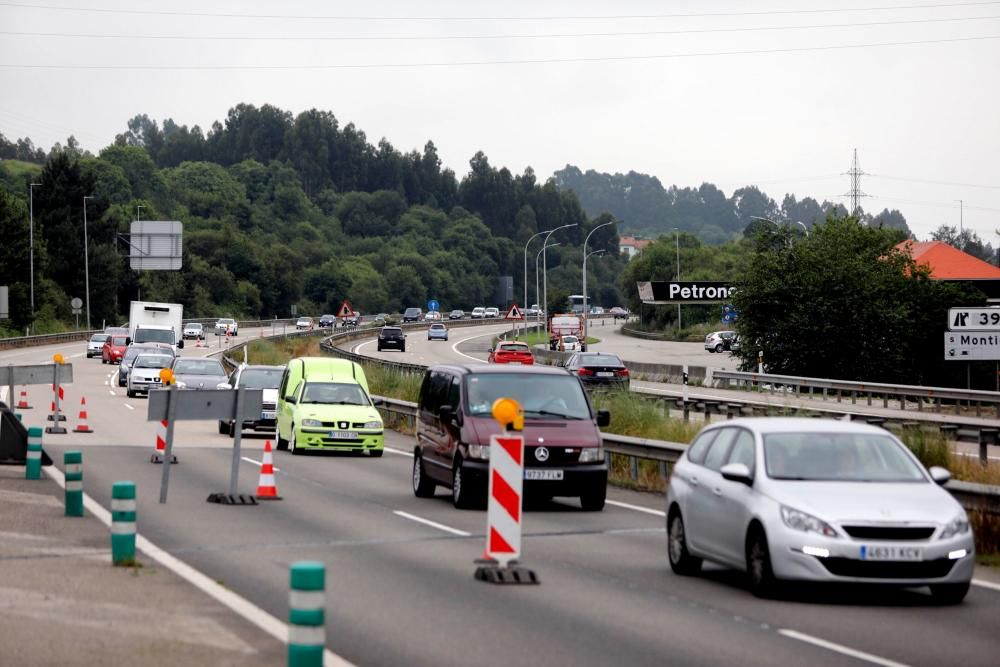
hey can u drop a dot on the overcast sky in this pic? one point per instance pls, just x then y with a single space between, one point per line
653 87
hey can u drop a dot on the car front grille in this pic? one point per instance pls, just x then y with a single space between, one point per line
268 406
890 532
865 569
558 456
344 425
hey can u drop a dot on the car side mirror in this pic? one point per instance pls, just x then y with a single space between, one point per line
603 418
939 475
737 472
291 399
180 345
128 341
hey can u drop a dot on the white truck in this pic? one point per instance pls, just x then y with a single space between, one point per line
566 324
151 322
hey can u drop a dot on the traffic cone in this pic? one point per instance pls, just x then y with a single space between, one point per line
22 402
82 426
266 488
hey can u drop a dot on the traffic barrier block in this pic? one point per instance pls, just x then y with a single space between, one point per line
123 520
33 462
306 614
82 426
73 469
161 444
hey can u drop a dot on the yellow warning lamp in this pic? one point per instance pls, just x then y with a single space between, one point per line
508 412
166 376
58 358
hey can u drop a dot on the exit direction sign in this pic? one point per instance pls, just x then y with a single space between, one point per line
974 319
971 346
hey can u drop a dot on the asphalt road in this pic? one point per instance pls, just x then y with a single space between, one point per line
400 589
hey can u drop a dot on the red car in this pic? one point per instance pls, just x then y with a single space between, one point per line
113 350
511 353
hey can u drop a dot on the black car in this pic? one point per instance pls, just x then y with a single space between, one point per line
598 369
456 315
391 337
256 377
327 322
412 315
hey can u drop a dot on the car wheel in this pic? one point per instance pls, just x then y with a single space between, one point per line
130 393
282 444
949 593
231 430
762 581
681 562
376 453
223 427
379 348
718 348
402 348
291 442
593 500
423 486
461 494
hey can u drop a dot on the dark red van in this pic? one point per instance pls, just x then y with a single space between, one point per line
564 455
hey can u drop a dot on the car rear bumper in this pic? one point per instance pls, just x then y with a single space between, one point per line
607 383
577 479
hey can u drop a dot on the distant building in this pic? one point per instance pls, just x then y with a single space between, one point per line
630 245
951 264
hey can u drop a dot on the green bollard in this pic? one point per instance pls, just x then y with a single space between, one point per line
123 523
306 614
33 466
73 468
19 416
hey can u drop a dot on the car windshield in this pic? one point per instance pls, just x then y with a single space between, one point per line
118 341
261 378
570 339
199 367
514 347
194 326
154 336
132 352
840 457
98 338
334 393
437 327
542 396
153 361
392 332
600 360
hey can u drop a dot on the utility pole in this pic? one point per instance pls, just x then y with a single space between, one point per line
31 244
855 193
677 243
961 210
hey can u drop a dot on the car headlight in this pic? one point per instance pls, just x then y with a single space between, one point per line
180 384
957 526
481 452
591 454
311 422
373 425
807 523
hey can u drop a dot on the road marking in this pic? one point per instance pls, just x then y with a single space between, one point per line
111 391
637 508
398 451
257 463
129 406
240 605
839 648
432 524
986 584
454 348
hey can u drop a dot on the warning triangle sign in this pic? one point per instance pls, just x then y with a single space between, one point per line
514 313
345 309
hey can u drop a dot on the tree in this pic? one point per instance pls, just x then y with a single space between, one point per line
967 241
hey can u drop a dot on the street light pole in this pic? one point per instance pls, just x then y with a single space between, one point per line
86 258
541 252
586 310
31 244
138 208
525 303
677 243
545 285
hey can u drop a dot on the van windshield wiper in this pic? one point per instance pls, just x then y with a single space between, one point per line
547 413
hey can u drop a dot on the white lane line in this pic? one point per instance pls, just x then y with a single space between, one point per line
432 524
397 451
839 648
257 463
986 584
111 391
240 605
454 348
129 406
637 508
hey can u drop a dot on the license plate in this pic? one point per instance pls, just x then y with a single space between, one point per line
605 374
514 363
344 435
550 475
878 552
267 414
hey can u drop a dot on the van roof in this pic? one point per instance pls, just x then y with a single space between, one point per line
477 369
328 368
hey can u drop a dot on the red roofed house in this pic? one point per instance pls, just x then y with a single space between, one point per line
630 245
949 263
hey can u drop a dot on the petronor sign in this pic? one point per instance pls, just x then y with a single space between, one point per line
685 292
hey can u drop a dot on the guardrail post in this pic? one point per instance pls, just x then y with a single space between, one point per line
123 519
633 468
33 462
73 469
987 436
306 614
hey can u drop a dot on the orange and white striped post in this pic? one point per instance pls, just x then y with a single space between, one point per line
503 513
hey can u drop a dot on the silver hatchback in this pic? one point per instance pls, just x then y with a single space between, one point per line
817 500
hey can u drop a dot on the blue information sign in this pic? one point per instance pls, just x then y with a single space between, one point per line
728 314
433 305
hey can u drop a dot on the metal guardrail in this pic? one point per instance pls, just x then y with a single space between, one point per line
840 388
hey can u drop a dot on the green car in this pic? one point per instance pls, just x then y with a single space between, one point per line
324 405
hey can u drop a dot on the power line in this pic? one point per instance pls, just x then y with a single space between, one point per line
369 38
929 182
937 204
466 63
603 17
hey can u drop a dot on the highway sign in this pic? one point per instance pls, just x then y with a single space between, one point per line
971 346
433 305
156 245
514 313
728 314
974 319
345 310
